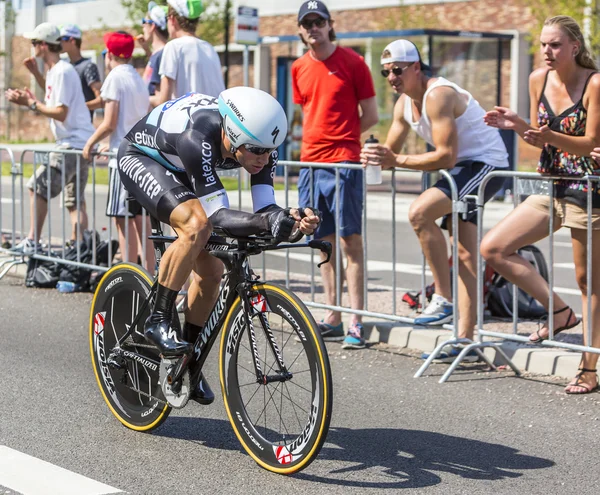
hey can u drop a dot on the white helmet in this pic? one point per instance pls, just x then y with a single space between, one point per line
252 117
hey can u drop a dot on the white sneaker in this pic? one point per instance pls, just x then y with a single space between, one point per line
438 312
27 247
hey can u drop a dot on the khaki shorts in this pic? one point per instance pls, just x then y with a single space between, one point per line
566 213
42 183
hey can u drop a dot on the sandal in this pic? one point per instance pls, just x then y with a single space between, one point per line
566 326
577 383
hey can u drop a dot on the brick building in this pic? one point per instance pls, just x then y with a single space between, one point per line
493 69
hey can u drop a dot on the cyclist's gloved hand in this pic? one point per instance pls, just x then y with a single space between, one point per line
281 224
308 219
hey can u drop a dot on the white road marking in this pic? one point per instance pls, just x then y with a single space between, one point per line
31 476
410 269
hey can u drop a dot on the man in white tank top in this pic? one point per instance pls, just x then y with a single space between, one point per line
450 120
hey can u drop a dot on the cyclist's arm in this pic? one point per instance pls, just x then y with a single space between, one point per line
263 193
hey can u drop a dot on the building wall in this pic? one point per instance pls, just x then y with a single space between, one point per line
468 15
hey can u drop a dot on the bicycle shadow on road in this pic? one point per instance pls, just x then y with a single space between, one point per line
381 457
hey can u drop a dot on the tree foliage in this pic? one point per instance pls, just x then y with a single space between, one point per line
210 28
542 9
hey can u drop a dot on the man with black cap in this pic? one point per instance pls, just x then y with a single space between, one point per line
450 120
335 88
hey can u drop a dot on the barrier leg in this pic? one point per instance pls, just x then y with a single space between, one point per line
436 353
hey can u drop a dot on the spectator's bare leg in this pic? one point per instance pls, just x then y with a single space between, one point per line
82 218
589 360
129 250
38 208
353 249
145 246
328 276
204 288
524 225
424 211
467 277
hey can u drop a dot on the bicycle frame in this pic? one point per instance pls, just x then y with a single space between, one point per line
239 279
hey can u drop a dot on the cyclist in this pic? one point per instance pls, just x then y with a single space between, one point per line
168 163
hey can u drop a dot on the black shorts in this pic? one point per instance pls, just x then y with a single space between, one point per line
157 189
468 175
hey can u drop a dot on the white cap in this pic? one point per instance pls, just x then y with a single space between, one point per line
158 15
401 51
70 30
46 32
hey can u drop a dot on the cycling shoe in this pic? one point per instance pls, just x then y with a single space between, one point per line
160 332
202 393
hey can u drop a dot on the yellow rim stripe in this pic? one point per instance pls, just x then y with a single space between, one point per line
95 365
325 395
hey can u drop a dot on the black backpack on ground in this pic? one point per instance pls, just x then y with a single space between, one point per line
41 274
85 278
500 295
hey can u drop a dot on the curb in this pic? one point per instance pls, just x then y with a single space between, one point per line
553 362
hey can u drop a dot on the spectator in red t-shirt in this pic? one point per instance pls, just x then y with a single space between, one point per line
335 88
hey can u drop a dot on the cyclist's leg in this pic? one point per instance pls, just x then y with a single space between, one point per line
169 198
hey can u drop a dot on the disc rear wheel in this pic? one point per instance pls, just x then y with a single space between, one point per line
132 391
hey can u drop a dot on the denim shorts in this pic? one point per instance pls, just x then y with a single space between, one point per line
323 198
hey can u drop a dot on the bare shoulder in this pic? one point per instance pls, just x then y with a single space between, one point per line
537 77
399 107
442 99
594 82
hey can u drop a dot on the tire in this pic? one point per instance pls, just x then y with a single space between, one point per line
117 299
281 425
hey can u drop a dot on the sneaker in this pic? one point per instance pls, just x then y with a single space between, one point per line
354 339
28 247
450 353
331 333
437 312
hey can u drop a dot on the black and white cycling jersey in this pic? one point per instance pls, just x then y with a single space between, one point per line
185 137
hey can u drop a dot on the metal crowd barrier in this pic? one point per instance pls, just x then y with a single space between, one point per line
550 342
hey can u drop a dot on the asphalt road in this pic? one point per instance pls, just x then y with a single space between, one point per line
479 433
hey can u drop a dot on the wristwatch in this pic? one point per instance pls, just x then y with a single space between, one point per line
33 107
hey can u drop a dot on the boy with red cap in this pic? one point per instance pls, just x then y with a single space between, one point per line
126 101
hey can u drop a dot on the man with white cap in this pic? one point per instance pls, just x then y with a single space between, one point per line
188 64
153 39
450 120
65 106
70 42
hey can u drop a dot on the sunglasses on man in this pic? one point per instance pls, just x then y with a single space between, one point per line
256 150
36 42
66 38
319 22
397 71
148 21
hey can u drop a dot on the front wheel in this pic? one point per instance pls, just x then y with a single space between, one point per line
132 391
282 424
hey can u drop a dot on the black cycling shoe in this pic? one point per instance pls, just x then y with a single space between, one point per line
202 393
159 331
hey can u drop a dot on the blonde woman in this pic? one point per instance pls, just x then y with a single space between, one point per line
565 117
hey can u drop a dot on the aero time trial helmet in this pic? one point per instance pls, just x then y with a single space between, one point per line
253 118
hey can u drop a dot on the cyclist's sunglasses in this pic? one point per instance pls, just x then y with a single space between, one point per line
319 22
397 71
257 150
148 21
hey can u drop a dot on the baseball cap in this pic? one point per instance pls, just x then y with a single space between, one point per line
119 44
46 32
190 9
313 7
158 15
70 30
402 51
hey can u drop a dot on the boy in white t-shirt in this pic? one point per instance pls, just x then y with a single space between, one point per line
64 105
188 64
126 101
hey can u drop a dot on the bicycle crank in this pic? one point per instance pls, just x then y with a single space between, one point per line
177 393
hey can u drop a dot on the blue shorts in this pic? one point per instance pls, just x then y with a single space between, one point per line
351 199
468 175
